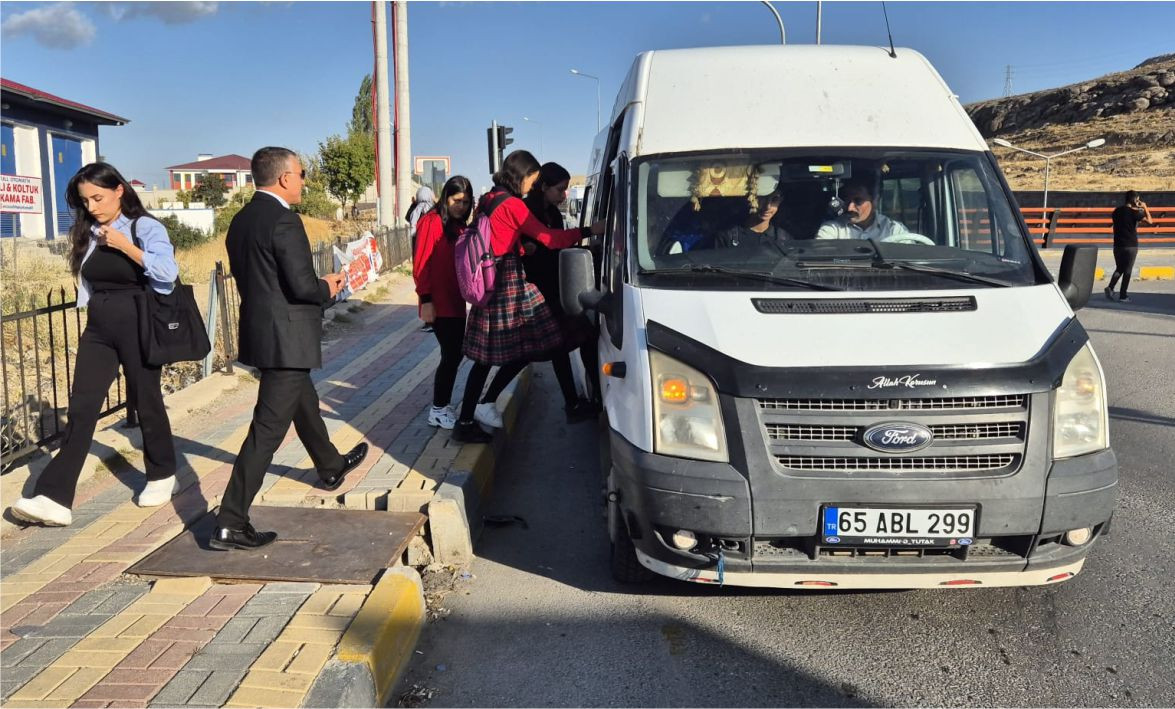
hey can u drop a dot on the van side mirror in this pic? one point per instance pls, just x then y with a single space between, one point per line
577 282
1075 278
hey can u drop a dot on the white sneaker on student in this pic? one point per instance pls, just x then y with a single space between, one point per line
442 416
487 414
42 510
158 492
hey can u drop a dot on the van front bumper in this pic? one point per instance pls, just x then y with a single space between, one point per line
661 494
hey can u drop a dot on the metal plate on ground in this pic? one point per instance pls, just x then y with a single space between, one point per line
322 545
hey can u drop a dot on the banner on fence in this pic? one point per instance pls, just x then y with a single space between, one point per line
360 261
20 194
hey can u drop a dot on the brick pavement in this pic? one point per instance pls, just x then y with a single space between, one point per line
76 631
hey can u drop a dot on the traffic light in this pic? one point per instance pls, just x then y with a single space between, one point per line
504 138
497 138
492 142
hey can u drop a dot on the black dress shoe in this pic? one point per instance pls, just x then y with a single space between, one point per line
470 432
247 538
581 410
351 460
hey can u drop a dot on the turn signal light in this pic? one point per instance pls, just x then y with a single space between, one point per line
674 390
614 369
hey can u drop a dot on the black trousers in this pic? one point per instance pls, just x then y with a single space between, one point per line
450 334
1123 266
111 338
285 395
477 379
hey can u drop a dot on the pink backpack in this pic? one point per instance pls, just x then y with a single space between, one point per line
477 269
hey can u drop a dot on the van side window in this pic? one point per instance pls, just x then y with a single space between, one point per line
615 249
974 224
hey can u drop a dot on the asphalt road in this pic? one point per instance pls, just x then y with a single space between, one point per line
542 623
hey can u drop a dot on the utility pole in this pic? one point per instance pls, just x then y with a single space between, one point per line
1008 81
819 19
383 117
403 115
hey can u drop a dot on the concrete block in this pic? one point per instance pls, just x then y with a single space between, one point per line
1156 273
181 687
342 684
385 630
217 688
419 555
451 540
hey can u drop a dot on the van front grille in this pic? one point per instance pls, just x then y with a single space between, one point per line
947 432
933 404
936 464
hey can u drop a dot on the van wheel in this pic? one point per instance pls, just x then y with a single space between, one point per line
626 568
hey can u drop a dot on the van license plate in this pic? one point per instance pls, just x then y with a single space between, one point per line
898 526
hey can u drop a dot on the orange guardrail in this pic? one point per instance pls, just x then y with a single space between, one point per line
1093 225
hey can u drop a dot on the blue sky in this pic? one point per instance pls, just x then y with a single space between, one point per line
230 77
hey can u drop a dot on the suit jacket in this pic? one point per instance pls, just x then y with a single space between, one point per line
281 297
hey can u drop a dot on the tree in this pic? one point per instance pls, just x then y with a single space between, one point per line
210 190
316 201
361 119
347 166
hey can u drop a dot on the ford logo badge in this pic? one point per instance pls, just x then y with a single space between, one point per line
897 437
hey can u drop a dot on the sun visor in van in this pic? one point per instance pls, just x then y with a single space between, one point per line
716 179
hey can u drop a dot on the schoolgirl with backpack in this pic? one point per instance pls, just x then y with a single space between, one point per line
510 323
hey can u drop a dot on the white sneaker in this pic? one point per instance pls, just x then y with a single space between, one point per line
444 417
42 510
487 415
158 492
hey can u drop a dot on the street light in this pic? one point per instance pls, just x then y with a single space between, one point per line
540 125
577 72
1096 143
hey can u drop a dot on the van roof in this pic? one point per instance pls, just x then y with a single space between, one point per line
793 96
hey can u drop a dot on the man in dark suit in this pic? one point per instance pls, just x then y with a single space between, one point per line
282 301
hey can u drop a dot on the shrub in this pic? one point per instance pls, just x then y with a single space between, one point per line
182 235
224 215
316 203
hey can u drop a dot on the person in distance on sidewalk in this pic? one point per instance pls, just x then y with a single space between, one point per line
1126 218
282 302
441 304
112 272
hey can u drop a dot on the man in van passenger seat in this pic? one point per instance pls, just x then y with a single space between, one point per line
861 219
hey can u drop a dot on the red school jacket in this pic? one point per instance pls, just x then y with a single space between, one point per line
433 268
512 220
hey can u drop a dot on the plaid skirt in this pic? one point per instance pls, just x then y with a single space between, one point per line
516 326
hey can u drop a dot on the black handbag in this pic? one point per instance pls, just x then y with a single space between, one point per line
170 326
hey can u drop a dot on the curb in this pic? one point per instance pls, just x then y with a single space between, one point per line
376 646
454 514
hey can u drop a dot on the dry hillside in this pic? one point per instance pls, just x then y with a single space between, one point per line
1133 110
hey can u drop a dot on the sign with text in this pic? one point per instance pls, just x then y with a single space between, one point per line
360 261
20 194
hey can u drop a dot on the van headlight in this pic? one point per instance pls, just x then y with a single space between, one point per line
1080 416
687 419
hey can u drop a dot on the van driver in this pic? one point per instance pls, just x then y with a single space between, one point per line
861 219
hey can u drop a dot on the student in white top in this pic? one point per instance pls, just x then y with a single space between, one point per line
861 220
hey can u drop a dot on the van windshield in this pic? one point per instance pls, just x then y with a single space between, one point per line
849 220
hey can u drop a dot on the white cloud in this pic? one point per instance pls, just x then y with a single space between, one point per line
58 26
170 13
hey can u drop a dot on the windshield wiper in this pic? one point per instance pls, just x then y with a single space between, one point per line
877 260
739 273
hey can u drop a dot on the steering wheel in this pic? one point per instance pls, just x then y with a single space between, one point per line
909 238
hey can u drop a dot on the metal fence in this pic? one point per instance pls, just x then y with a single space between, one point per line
37 353
39 345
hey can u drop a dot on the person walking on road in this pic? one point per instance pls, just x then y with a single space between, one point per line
117 249
517 326
282 302
441 304
542 269
1126 219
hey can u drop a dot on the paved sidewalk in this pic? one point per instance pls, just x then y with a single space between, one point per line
75 630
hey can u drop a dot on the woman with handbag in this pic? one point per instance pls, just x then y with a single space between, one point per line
516 326
112 271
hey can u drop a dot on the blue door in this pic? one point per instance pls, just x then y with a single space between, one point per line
67 160
9 223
